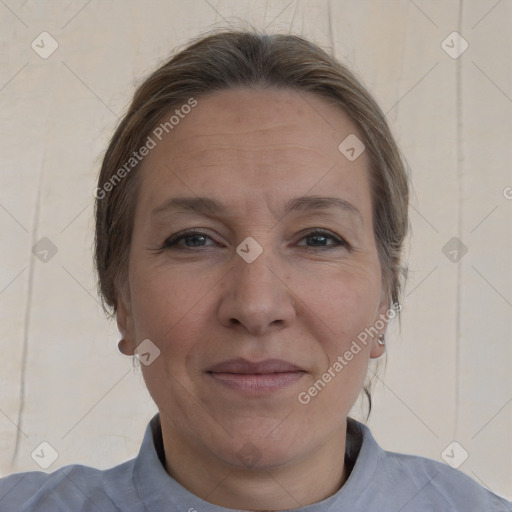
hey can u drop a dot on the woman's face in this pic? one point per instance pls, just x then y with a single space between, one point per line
254 173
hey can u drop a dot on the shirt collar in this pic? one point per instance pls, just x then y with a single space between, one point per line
161 493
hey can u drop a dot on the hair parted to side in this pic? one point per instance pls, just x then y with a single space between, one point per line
228 58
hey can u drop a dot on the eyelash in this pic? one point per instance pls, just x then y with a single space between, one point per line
171 242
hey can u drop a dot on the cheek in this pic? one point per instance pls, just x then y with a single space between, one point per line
159 304
170 311
163 297
345 300
339 312
175 310
341 309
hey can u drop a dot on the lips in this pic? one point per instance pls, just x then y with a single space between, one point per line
247 367
255 378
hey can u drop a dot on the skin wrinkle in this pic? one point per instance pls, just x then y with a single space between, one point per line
205 306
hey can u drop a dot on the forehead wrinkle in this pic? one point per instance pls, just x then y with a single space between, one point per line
249 147
237 132
288 134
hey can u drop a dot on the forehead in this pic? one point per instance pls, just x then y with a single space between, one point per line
253 115
261 142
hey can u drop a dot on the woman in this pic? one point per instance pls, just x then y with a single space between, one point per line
250 215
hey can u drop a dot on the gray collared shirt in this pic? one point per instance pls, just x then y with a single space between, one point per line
380 481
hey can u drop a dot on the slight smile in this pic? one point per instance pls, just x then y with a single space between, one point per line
256 378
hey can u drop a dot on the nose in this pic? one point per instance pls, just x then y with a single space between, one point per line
256 297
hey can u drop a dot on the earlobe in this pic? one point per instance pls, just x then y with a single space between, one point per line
124 320
381 323
121 346
378 346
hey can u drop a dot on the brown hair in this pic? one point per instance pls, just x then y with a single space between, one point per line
231 58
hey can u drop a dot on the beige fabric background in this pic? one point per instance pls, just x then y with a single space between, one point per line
448 376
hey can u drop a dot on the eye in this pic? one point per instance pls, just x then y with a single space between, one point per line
191 238
320 239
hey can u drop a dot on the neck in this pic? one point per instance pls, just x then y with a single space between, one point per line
305 480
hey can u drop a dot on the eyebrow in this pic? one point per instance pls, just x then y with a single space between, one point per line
208 206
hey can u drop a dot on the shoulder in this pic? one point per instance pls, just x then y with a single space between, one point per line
86 488
397 481
425 481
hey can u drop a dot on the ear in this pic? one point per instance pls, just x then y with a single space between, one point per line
381 317
125 324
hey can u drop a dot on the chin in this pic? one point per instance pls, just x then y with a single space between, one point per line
264 447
